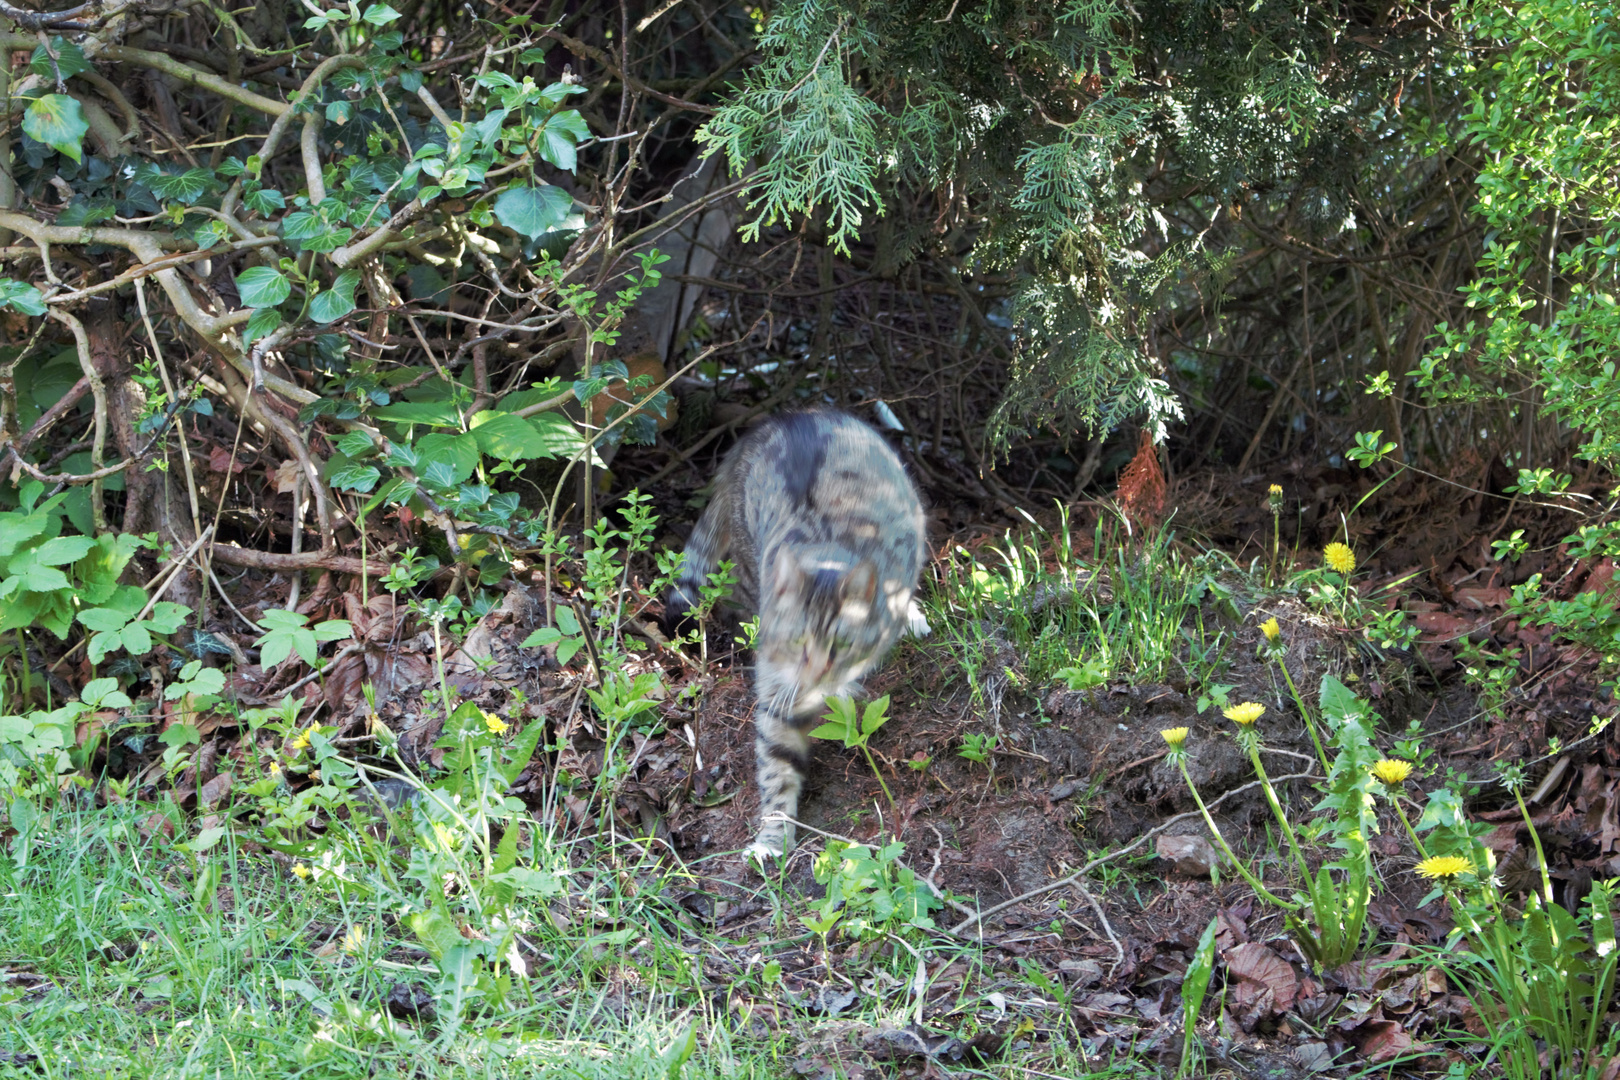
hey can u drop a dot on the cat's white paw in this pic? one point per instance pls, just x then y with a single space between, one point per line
763 853
916 622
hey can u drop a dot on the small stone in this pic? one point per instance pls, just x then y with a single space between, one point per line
1192 855
1081 973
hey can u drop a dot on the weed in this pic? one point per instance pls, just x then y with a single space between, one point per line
843 724
977 747
1078 621
1337 906
1194 985
869 893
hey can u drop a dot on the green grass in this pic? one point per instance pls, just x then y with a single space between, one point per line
122 967
1135 608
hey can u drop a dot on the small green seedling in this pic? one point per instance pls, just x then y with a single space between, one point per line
1093 672
976 747
567 635
843 724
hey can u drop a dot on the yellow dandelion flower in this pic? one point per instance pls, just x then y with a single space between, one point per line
1244 715
495 724
1444 867
275 768
1175 736
1272 631
301 871
302 742
1392 771
1275 490
1340 557
354 939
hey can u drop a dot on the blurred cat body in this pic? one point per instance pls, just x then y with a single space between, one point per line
826 531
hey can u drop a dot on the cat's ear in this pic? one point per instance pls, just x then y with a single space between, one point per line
858 589
787 576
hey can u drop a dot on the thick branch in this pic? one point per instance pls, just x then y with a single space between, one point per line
192 77
308 560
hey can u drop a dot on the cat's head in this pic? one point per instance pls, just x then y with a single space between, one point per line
823 622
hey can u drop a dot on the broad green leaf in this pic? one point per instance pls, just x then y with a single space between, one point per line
64 549
333 630
263 321
332 304
186 187
438 413
380 15
456 454
505 437
262 287
16 528
302 225
137 639
561 437
355 444
69 60
354 477
167 617
103 619
265 201
532 211
328 239
20 296
57 121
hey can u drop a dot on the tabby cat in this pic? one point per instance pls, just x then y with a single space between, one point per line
826 531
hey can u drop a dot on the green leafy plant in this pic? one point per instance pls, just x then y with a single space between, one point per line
566 635
1336 905
118 625
286 632
1194 985
977 747
1542 978
854 729
869 893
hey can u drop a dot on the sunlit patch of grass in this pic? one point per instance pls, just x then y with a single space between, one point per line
1032 605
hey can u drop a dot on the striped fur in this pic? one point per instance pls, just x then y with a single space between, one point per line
826 531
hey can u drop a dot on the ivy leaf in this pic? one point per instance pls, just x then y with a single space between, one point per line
329 239
559 137
262 287
532 211
186 187
69 60
260 323
20 296
264 201
339 111
302 225
57 121
337 301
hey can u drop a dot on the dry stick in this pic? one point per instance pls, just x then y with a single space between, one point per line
98 512
1119 950
1079 875
168 385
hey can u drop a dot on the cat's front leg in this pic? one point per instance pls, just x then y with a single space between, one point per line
782 759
